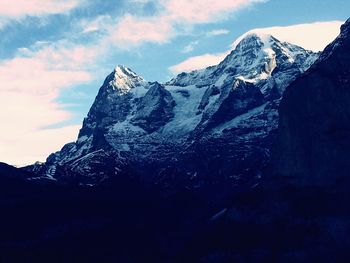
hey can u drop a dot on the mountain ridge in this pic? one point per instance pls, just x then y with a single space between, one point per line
150 128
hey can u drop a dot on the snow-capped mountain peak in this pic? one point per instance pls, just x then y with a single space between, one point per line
124 79
255 58
253 38
256 54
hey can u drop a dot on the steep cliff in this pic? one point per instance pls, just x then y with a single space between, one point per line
313 142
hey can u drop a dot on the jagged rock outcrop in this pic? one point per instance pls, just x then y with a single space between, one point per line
155 109
235 99
313 143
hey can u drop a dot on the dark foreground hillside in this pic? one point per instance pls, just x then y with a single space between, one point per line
123 221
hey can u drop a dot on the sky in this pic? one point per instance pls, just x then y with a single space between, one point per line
55 54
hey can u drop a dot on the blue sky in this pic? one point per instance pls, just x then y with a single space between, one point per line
54 54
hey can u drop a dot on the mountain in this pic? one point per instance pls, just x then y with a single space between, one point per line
206 126
213 132
313 145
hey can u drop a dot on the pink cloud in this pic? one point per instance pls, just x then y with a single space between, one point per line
20 8
203 11
23 138
29 88
175 17
35 76
132 30
73 57
36 145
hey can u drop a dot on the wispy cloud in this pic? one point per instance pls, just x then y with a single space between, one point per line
174 18
198 62
217 32
21 8
203 11
99 23
131 31
190 47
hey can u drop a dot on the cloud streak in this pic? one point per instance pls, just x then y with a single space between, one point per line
190 47
217 32
198 62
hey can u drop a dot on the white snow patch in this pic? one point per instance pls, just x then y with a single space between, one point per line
122 127
234 122
125 79
125 147
185 117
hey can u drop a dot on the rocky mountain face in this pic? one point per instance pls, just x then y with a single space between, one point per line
206 126
313 145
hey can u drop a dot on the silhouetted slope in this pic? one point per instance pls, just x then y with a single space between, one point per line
313 143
